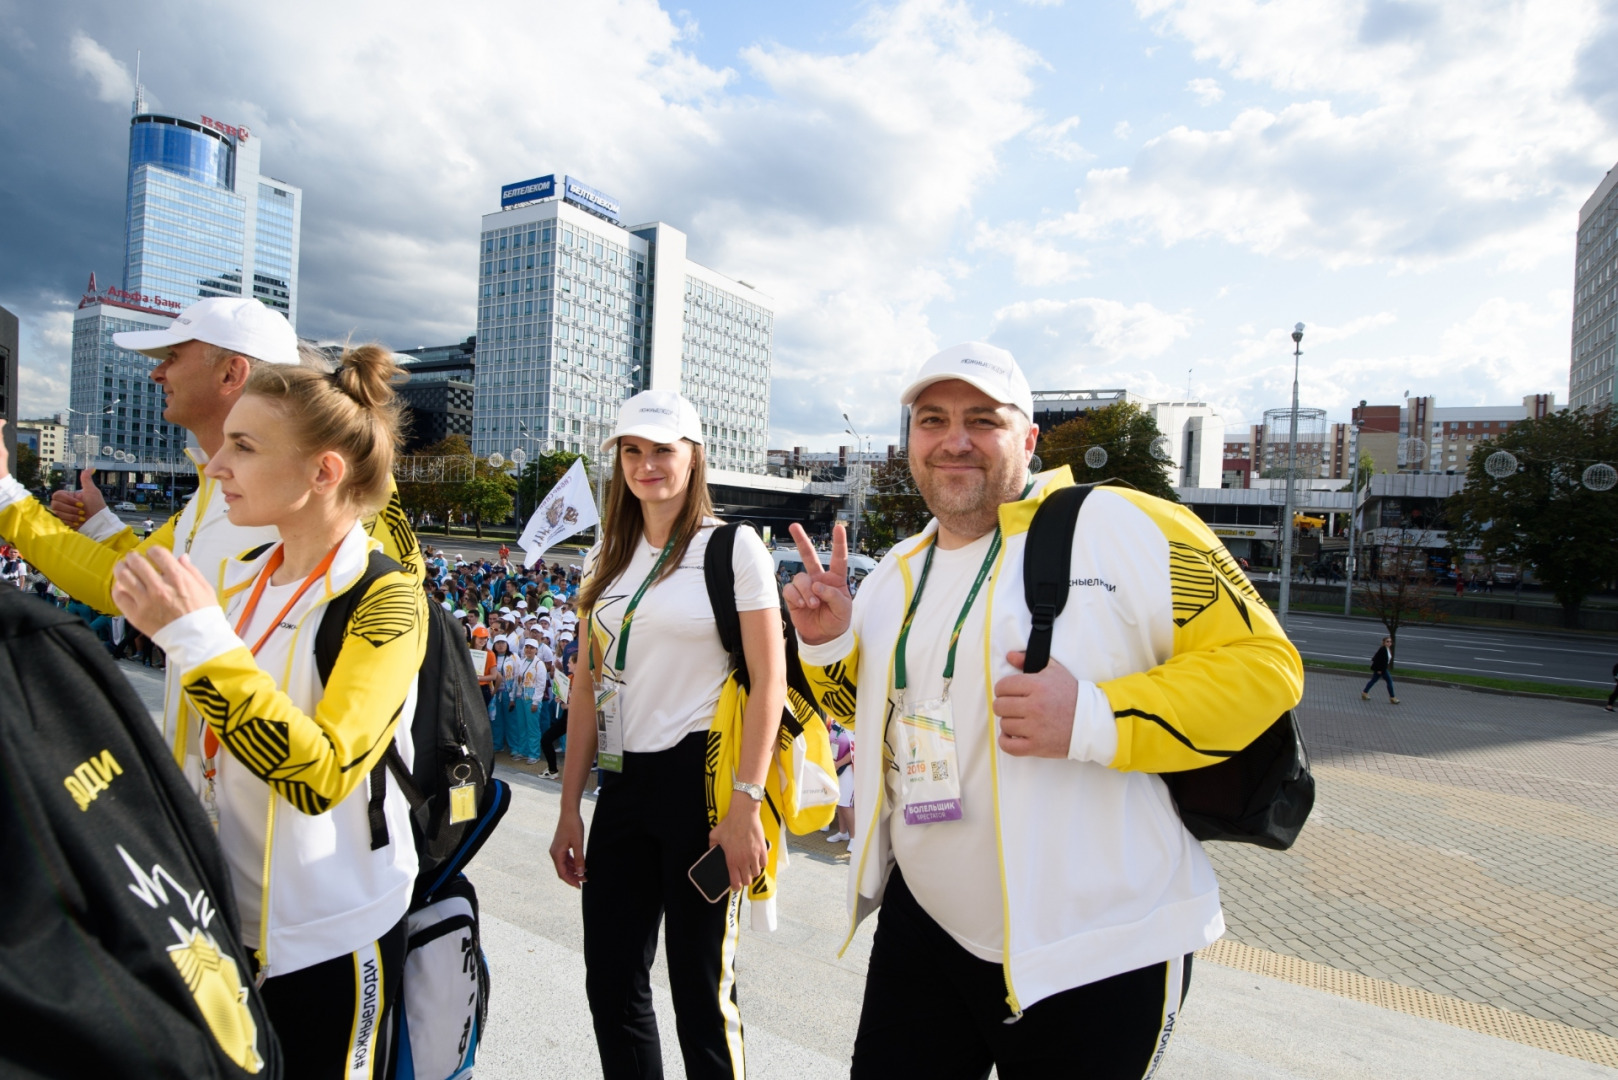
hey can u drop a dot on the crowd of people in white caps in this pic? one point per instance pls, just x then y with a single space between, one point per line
1021 683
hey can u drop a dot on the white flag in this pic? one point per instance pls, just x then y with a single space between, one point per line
568 509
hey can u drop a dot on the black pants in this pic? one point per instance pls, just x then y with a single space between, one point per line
1612 696
333 1017
547 742
934 1010
650 825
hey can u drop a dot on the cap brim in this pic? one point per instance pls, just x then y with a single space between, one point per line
913 391
657 433
153 343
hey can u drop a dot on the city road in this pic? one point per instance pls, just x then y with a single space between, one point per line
1463 650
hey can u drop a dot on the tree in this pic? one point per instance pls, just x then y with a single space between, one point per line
487 496
28 472
898 509
1126 433
442 499
1361 482
1542 515
542 473
1401 590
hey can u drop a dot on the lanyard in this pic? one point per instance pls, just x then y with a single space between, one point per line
204 497
629 612
210 741
960 620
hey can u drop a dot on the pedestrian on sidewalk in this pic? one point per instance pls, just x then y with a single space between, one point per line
1382 668
318 843
1612 697
1040 898
650 708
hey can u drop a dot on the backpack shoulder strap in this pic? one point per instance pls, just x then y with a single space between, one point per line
719 574
1045 567
340 612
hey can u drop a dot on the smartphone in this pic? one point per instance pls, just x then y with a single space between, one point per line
711 874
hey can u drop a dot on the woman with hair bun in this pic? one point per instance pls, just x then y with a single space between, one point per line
290 764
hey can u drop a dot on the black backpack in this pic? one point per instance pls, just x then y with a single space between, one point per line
719 575
454 742
1261 794
122 951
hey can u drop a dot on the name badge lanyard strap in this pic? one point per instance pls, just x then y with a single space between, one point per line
899 675
210 741
634 602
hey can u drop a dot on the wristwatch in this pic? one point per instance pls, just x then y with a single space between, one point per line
752 791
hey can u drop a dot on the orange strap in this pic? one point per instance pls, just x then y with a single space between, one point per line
210 741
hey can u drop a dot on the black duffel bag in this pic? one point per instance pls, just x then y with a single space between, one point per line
1260 794
120 949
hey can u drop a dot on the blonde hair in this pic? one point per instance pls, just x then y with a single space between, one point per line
624 525
352 411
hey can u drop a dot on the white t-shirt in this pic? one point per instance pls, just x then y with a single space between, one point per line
242 799
675 666
952 867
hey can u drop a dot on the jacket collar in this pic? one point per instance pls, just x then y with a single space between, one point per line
353 552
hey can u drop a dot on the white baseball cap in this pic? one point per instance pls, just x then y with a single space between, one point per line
992 370
243 326
662 416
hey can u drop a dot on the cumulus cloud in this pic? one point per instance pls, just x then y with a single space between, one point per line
1035 258
111 78
1087 342
1051 140
1426 132
1207 91
836 181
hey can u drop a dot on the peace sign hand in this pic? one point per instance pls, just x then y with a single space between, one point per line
818 599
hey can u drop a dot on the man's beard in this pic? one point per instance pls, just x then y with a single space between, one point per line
968 503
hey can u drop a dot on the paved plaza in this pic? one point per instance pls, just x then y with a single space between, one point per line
1461 866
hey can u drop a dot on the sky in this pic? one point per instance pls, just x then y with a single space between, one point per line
1143 195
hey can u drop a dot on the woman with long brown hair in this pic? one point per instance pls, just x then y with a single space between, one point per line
642 701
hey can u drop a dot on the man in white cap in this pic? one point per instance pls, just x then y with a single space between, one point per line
1040 897
204 359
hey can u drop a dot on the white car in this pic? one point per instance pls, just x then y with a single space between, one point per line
126 506
788 564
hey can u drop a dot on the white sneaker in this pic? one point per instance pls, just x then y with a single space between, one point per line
838 838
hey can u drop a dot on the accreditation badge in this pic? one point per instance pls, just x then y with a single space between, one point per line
926 751
610 724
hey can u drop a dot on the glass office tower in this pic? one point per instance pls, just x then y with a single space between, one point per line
201 221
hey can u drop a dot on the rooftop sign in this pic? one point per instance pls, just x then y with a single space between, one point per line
591 199
526 191
238 133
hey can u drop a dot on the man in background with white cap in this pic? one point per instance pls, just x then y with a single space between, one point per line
1040 897
204 358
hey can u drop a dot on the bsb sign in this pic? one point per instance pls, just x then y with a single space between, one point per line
573 191
239 133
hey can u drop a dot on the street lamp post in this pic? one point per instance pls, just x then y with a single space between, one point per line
1353 516
82 452
1292 476
859 485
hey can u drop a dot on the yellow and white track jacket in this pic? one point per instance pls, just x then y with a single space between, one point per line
1175 654
80 563
297 755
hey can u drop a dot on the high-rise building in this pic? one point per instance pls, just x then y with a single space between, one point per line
577 311
200 221
1595 298
439 393
115 403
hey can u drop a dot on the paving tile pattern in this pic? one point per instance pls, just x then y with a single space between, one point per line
1462 843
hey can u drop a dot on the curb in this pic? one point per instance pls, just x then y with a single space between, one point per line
1423 681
